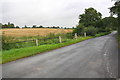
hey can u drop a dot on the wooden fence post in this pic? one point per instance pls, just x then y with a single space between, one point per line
84 34
36 42
60 39
76 36
3 32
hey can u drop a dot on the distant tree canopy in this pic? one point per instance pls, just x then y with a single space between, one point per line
25 26
92 22
34 26
17 27
40 26
9 25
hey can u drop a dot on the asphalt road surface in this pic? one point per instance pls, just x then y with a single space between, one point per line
93 58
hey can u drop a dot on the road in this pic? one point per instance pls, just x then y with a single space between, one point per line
93 58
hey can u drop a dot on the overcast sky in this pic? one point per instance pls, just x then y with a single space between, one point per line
63 13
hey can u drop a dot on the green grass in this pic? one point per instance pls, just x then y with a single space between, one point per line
14 54
102 34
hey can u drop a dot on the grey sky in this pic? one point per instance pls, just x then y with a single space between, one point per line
62 13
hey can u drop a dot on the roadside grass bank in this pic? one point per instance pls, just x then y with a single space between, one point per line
14 54
102 34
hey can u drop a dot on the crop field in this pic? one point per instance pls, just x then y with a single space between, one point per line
33 32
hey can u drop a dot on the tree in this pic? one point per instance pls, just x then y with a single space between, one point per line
58 27
54 27
110 22
73 27
90 17
34 26
41 26
89 22
25 26
115 10
17 27
10 25
91 31
65 28
5 26
61 27
79 29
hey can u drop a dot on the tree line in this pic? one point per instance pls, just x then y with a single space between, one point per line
11 25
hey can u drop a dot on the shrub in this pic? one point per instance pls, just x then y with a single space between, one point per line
7 42
79 29
91 31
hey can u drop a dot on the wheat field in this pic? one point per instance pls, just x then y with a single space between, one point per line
32 32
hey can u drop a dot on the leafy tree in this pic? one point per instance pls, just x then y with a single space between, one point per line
79 29
89 22
115 10
10 25
73 27
17 27
90 17
34 26
61 27
91 31
25 26
41 26
58 27
5 26
65 28
53 27
110 22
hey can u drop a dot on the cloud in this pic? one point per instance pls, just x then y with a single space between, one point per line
50 12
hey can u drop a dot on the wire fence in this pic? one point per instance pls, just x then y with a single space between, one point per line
34 42
38 41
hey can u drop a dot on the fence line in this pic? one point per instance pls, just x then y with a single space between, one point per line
37 42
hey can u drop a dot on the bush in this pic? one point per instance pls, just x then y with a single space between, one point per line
7 42
108 29
90 31
78 29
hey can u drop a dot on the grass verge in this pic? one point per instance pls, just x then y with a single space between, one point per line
14 54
